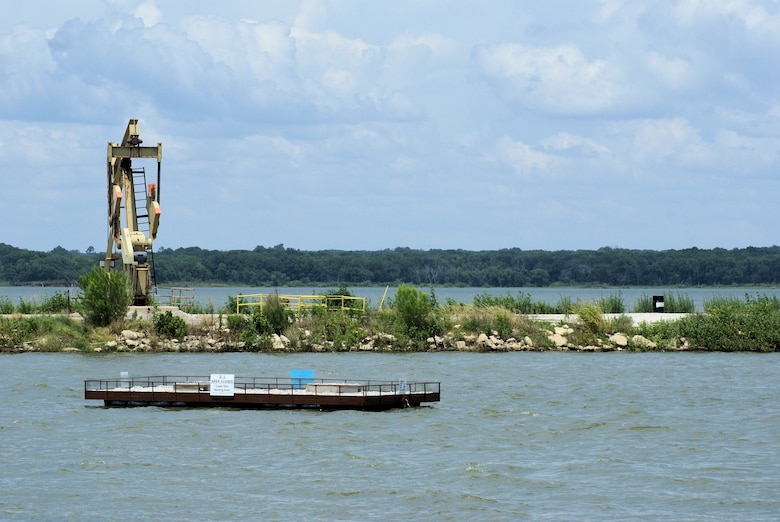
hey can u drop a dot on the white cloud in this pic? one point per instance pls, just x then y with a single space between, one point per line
437 44
674 73
390 107
669 138
558 79
752 15
25 65
149 13
608 9
522 158
565 141
748 154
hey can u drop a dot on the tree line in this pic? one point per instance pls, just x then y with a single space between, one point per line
511 267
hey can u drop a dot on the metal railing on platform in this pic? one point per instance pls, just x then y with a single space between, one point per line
303 302
176 296
246 384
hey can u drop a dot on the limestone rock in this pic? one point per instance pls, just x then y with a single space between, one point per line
619 339
276 342
558 339
130 334
642 341
564 330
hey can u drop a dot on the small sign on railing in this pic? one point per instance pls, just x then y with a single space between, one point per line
222 385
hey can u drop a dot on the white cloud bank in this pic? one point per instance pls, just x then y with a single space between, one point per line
323 124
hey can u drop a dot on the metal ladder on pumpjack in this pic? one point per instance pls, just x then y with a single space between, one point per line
142 215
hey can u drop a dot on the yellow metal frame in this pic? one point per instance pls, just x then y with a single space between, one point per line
304 302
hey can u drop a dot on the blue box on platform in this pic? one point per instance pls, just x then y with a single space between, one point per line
300 378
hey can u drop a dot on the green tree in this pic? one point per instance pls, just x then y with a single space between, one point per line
417 314
170 326
107 296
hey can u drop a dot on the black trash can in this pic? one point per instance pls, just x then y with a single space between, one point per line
658 304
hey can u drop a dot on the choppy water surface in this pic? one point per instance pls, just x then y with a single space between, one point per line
517 436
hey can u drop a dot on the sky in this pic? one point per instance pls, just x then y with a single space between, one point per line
354 125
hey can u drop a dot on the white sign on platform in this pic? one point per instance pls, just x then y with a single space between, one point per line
222 385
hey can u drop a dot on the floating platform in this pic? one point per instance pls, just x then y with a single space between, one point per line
228 391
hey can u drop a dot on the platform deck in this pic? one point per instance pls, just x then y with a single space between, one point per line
258 393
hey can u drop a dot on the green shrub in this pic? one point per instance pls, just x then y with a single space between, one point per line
6 306
503 326
57 302
643 305
733 302
413 308
564 305
107 296
236 322
14 332
478 322
254 342
722 302
521 304
46 333
334 300
611 304
340 327
230 305
170 326
345 331
260 323
621 323
417 315
763 302
276 313
253 331
664 333
678 304
752 325
592 318
25 307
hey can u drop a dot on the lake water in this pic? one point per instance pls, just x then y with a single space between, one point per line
535 436
218 296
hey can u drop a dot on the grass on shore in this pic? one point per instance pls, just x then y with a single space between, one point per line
728 324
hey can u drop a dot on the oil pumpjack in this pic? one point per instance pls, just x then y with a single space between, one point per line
133 212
